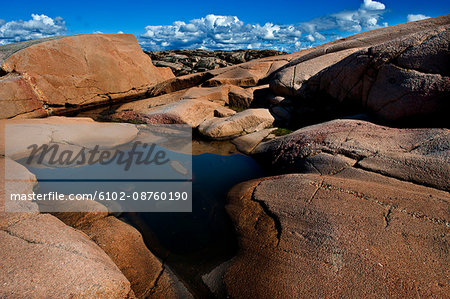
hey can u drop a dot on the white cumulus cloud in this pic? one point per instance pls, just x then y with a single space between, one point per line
38 27
372 5
418 17
215 32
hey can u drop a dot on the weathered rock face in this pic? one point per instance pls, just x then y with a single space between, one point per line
418 155
125 246
43 258
290 79
80 70
393 81
356 234
188 61
403 79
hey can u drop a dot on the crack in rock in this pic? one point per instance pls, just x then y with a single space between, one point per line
270 214
56 246
149 292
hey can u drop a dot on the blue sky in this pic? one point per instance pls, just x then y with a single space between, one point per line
281 24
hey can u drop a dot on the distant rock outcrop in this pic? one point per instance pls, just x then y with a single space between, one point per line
188 61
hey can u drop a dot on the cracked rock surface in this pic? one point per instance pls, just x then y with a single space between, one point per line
352 234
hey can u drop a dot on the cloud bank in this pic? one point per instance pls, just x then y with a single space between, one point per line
418 17
215 32
38 27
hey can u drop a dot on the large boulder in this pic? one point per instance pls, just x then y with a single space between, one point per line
41 257
46 76
404 80
417 155
328 81
355 234
362 40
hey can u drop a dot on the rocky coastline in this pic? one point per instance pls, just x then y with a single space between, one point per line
189 61
354 134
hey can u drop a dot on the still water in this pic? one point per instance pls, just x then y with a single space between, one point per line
191 243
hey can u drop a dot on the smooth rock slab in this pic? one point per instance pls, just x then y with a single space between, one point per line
65 131
189 111
348 235
247 143
18 180
245 75
247 121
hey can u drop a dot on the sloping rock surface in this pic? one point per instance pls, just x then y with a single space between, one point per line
41 257
290 79
355 234
403 79
125 246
